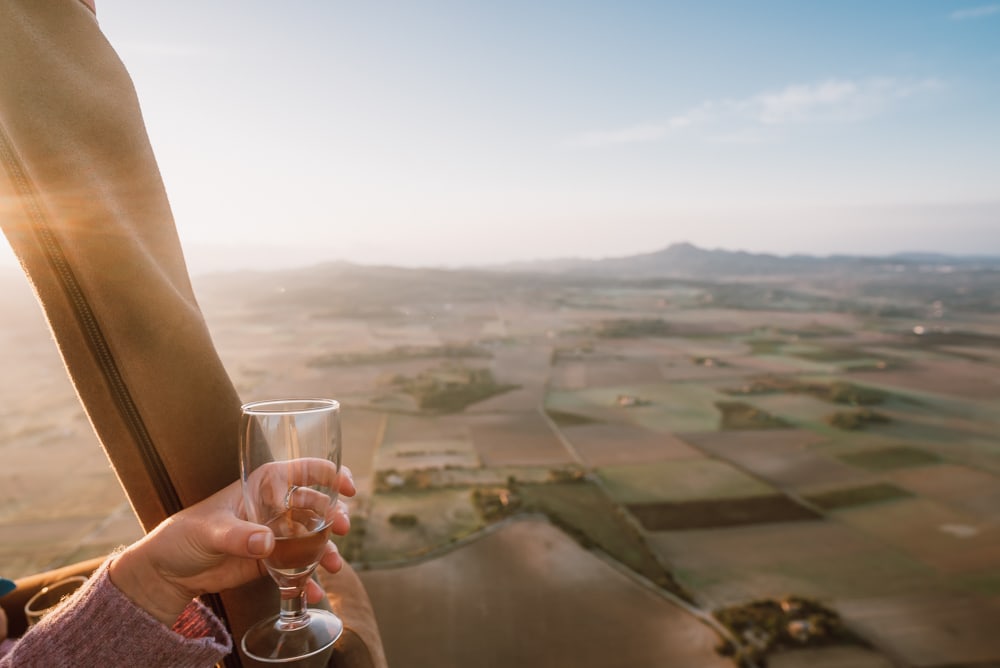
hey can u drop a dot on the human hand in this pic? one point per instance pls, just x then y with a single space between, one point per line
207 548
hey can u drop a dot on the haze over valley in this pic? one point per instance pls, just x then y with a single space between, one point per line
742 456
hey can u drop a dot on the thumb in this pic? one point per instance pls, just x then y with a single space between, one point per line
239 538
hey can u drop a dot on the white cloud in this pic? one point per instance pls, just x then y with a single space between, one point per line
635 134
974 12
646 132
805 102
833 100
830 101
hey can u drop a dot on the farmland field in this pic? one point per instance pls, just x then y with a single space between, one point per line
546 448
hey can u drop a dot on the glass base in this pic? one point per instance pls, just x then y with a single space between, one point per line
267 641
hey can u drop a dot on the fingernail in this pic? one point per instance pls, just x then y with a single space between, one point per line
260 543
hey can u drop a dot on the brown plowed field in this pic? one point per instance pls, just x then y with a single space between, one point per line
521 439
611 444
527 595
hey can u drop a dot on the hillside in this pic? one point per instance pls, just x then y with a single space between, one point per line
684 260
910 285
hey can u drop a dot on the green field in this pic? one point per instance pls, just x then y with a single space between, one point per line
729 441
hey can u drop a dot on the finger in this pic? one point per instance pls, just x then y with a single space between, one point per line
340 523
314 593
347 486
239 538
280 476
314 471
331 559
309 499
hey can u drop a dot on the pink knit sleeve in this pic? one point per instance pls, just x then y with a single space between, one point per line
100 626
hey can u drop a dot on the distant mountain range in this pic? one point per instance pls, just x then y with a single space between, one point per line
689 261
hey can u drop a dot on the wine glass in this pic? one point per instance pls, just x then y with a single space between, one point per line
290 467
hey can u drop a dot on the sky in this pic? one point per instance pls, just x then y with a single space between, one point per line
452 133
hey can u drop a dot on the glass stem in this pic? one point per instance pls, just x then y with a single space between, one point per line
293 608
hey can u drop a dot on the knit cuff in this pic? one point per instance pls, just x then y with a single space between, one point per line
100 625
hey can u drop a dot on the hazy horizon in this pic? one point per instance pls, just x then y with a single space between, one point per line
451 134
207 258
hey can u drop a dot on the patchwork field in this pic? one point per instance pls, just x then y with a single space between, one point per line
581 466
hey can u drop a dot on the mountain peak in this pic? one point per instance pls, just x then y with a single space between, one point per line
685 260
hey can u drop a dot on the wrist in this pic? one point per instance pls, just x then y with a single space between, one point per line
134 574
